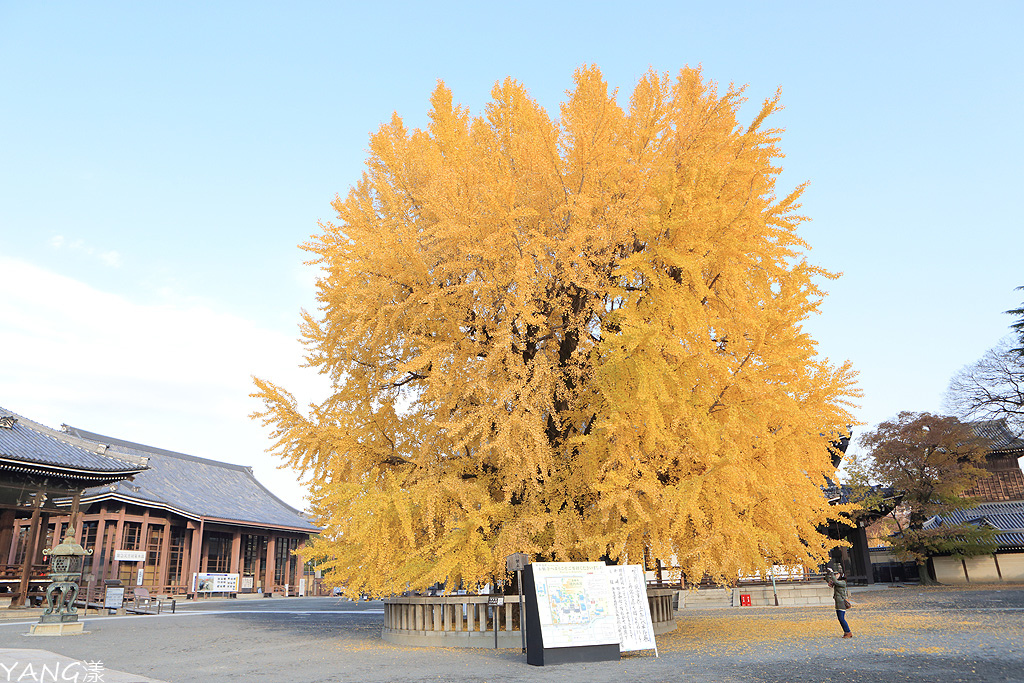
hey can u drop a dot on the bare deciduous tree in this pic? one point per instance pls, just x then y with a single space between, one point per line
991 388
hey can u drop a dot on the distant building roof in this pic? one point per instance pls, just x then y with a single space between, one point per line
28 447
1007 517
195 487
999 436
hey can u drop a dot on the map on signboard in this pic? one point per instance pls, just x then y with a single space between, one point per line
629 593
575 605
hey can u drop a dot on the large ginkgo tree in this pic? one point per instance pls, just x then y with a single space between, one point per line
575 337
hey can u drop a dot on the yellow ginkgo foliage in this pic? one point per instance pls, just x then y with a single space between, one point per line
575 338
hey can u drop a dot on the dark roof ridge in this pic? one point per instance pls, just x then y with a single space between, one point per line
122 443
271 494
93 437
134 462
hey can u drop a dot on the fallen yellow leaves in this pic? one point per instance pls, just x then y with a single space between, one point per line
732 633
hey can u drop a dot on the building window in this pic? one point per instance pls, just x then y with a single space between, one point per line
283 559
132 536
131 539
154 549
218 553
176 556
254 549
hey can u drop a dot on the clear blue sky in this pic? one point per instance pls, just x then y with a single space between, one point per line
159 163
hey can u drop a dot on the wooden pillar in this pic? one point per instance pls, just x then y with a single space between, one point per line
268 577
44 526
115 568
186 560
99 556
12 552
165 555
143 545
196 554
76 502
144 532
236 551
7 535
30 545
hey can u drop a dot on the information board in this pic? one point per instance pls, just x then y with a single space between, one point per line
633 612
113 597
575 604
215 583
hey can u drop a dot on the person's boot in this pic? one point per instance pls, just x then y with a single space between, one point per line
848 634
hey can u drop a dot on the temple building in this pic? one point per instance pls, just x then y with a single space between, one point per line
1001 507
171 519
40 468
1006 480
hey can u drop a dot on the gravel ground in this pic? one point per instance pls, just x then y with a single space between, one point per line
900 634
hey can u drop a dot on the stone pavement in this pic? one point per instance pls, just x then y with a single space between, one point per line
906 634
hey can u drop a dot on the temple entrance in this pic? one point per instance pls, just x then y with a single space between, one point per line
254 550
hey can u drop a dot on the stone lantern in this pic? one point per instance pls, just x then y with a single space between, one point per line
60 616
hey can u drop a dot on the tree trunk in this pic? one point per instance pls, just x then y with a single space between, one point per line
926 573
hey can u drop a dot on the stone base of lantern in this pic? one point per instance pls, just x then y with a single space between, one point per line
65 628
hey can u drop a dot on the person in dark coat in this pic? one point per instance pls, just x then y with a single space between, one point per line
837 582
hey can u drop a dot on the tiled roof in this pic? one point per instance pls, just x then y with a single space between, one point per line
1005 516
196 487
30 446
1010 522
999 436
1008 541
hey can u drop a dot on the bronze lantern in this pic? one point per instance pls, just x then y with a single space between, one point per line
65 572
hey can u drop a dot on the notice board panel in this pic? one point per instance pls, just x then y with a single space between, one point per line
629 592
570 613
575 604
215 583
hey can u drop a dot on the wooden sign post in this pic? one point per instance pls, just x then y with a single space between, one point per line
516 562
492 604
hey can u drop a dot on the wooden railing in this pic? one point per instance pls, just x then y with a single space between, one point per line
468 621
10 582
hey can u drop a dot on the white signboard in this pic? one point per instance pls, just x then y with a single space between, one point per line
575 604
215 583
302 586
247 582
629 593
113 597
139 577
129 556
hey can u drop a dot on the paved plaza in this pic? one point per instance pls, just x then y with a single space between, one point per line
901 634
